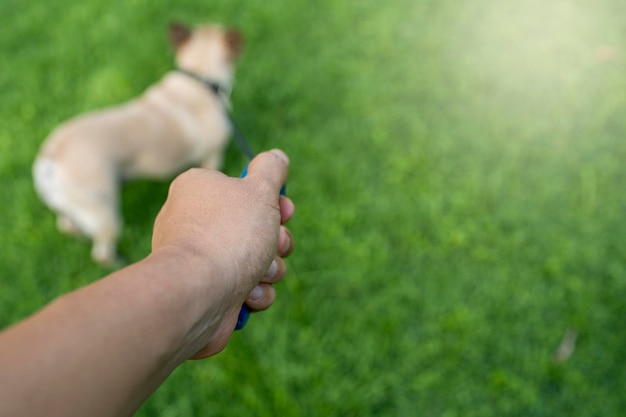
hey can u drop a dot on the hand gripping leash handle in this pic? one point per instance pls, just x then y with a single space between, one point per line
244 313
220 92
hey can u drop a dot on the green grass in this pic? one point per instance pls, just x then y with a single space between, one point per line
458 169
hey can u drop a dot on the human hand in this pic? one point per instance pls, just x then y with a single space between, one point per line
231 232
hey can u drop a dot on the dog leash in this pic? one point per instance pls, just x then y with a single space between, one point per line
220 92
242 143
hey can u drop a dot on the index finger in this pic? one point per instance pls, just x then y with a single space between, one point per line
271 166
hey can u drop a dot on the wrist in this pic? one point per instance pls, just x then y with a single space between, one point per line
198 296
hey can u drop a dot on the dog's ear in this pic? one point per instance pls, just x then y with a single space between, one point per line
179 34
234 40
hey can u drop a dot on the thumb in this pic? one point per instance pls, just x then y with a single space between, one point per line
270 167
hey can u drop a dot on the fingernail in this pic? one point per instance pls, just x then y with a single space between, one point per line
273 269
256 293
281 155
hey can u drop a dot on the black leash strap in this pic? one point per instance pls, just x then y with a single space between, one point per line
218 90
240 139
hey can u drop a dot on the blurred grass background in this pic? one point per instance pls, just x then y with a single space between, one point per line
458 171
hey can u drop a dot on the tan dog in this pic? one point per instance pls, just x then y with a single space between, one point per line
175 124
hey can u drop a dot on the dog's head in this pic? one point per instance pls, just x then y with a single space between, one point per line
209 51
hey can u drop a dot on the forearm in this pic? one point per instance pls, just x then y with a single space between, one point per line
102 350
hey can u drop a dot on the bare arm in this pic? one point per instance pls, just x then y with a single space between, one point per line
103 349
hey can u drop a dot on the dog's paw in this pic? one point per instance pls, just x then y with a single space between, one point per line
67 226
106 256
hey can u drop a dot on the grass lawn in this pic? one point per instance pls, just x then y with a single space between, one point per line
459 171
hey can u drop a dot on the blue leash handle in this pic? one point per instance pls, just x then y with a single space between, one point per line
244 313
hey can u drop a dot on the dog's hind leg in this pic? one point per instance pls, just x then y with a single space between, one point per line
104 246
96 215
85 204
104 230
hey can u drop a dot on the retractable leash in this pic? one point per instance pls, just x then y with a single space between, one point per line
242 143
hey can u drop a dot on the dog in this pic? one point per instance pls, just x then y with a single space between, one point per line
179 122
